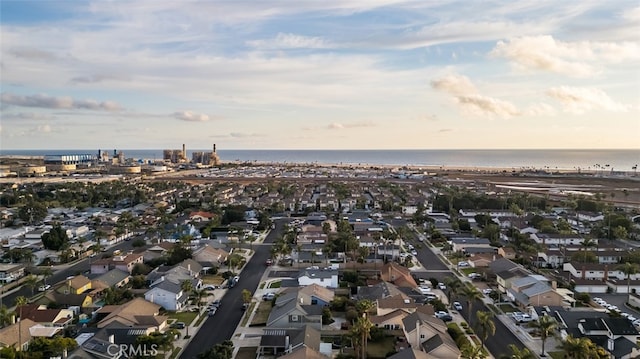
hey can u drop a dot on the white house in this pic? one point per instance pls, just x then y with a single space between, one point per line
596 271
323 278
559 239
167 294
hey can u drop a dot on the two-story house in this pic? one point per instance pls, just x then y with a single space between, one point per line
292 314
430 335
324 278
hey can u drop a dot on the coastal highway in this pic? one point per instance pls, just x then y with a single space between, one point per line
221 326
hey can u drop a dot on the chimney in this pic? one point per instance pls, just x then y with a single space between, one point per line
554 284
162 278
214 148
112 339
286 344
418 335
184 151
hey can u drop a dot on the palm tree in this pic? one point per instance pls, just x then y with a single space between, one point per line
453 287
470 352
575 348
5 316
546 326
629 269
46 273
31 281
361 332
486 325
21 300
198 294
517 353
586 244
472 294
186 286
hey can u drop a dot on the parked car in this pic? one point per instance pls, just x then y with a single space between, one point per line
521 317
269 262
442 286
236 279
487 291
444 316
475 275
424 289
213 311
210 287
178 325
457 305
43 288
268 296
244 306
463 264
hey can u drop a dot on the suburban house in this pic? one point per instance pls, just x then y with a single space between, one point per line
313 294
168 295
209 257
378 291
47 317
559 239
67 300
534 290
177 274
398 275
410 353
430 335
275 342
136 312
98 343
17 335
114 278
292 314
389 304
507 271
198 216
321 277
75 285
616 335
481 260
125 263
11 272
304 352
459 244
507 252
596 271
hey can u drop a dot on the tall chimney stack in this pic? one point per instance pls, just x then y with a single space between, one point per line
184 151
214 148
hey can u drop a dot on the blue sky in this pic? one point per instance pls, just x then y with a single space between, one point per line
332 74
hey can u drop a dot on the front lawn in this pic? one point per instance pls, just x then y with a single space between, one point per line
212 279
275 284
262 313
381 348
185 317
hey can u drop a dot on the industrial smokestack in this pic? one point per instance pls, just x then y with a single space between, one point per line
184 151
214 148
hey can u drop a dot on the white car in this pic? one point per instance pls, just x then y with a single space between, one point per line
475 275
625 315
596 299
424 290
463 264
442 286
457 305
43 288
632 318
487 291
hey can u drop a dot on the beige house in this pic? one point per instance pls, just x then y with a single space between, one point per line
17 332
430 335
137 312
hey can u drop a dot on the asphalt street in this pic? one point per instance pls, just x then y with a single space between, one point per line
221 326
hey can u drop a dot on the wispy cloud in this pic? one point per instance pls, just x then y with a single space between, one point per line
51 102
470 100
26 116
291 41
191 116
576 59
583 99
342 126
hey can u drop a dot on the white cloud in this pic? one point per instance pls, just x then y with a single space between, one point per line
191 116
582 99
577 59
50 102
340 126
454 84
470 100
486 106
291 41
541 110
43 128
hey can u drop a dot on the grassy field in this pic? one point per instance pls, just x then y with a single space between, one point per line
275 284
262 313
185 317
381 348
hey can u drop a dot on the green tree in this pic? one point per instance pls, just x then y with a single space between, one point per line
246 296
517 353
6 316
56 238
186 286
469 351
222 350
198 295
453 287
486 325
21 300
629 269
586 244
31 281
546 327
32 212
361 332
472 294
46 273
620 232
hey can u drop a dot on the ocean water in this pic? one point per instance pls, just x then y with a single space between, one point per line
604 160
